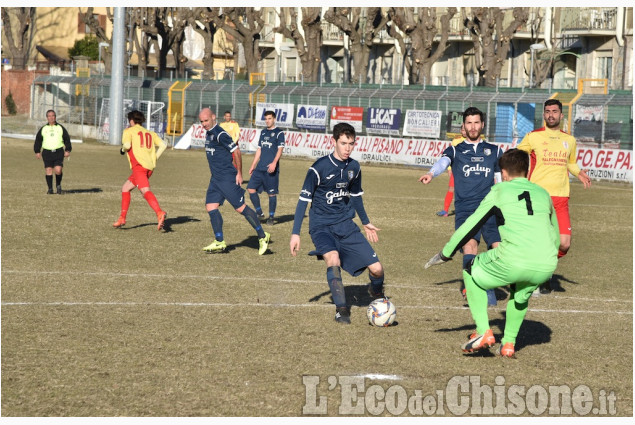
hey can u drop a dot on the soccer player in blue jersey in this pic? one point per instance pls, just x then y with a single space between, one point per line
475 168
222 151
265 168
333 185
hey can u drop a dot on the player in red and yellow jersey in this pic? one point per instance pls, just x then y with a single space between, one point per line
553 157
230 126
141 146
450 193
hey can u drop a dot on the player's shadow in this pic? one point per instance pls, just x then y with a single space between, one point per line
556 283
531 333
167 226
169 222
251 242
281 219
447 282
356 295
89 190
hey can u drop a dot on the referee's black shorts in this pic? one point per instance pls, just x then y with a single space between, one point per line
53 158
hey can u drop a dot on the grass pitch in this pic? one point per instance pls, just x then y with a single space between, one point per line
99 321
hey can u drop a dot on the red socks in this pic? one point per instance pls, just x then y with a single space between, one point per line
448 200
152 201
125 203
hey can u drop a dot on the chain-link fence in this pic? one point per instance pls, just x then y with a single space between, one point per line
509 112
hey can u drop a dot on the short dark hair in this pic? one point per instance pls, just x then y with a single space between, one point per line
227 112
552 102
50 110
136 116
515 162
273 114
343 129
472 111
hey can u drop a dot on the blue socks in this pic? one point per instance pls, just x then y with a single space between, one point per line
376 283
467 258
273 202
217 224
334 278
255 200
252 219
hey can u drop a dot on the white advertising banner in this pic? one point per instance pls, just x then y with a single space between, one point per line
193 138
589 113
602 164
311 117
422 123
606 164
284 113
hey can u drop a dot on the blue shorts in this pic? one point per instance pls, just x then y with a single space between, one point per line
217 192
261 179
489 229
354 250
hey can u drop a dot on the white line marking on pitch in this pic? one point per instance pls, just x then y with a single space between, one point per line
264 279
280 305
380 377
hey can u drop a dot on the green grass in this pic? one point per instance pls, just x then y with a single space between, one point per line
99 321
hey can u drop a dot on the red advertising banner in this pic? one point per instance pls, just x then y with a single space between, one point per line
352 115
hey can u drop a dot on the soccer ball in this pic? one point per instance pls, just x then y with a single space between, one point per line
381 312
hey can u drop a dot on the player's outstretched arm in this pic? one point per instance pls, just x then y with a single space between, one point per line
439 167
438 258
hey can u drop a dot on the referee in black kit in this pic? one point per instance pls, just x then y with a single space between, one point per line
55 144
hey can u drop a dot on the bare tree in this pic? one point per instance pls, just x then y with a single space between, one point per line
422 33
169 24
100 33
361 32
140 39
492 41
202 20
309 48
18 24
245 25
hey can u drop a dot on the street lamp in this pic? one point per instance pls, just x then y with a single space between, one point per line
102 44
533 48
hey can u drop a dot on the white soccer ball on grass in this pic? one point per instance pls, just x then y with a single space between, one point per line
381 312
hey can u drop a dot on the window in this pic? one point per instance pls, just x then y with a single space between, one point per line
603 67
291 70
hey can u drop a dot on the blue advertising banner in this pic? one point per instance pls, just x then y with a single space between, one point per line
383 121
311 117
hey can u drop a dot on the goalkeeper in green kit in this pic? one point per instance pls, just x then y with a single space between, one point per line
526 257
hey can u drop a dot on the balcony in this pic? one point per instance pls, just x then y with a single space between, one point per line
267 33
331 33
589 19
